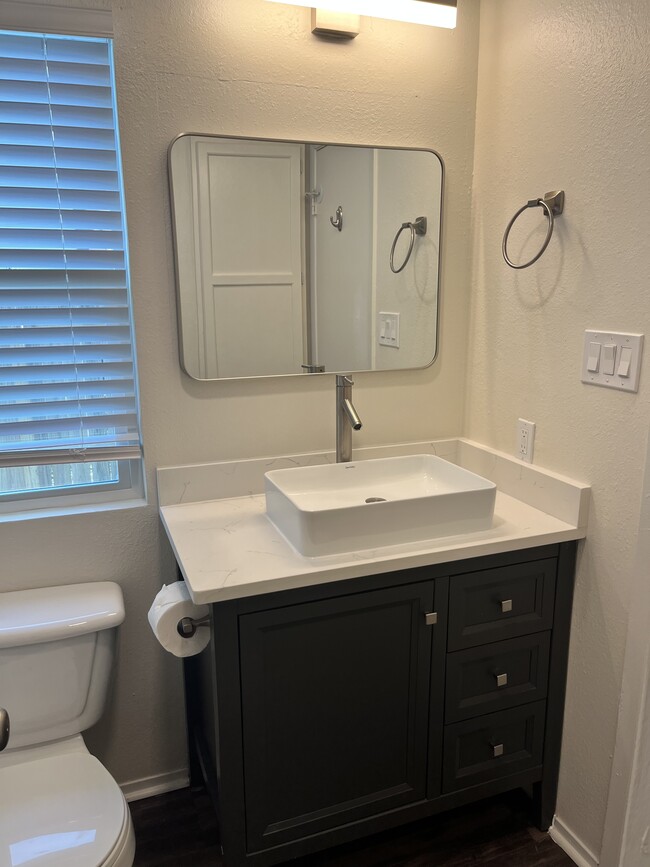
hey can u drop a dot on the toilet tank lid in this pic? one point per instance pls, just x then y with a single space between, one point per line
54 613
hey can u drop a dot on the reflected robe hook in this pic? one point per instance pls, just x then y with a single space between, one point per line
338 222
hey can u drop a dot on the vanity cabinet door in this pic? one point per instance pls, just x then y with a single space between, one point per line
335 708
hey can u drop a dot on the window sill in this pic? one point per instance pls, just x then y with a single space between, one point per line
82 509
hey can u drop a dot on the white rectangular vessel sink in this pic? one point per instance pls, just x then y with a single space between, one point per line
336 508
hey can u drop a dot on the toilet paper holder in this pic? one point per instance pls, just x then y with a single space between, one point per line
187 626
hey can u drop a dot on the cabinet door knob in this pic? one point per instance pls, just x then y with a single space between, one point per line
497 750
502 679
506 606
431 618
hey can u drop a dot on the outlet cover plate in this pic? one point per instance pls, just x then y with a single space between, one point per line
525 440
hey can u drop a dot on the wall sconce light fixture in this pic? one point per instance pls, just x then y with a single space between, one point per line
334 25
437 13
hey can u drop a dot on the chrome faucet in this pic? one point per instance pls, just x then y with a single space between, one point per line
347 419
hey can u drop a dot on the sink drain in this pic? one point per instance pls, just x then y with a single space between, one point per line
376 500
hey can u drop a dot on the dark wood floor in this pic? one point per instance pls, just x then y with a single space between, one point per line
178 830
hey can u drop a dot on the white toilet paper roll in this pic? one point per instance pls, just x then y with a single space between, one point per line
172 603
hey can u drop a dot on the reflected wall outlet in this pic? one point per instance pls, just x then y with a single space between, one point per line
525 440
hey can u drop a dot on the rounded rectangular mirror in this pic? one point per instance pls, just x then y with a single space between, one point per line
300 257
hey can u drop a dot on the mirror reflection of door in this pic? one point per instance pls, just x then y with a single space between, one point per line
342 261
250 295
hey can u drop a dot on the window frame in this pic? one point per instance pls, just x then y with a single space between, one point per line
126 494
129 489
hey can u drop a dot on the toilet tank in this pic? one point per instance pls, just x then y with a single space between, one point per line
57 647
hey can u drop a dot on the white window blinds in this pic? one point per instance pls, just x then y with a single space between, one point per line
67 375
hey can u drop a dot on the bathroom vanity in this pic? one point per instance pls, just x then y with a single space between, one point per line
344 695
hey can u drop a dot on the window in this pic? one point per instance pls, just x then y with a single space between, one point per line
68 388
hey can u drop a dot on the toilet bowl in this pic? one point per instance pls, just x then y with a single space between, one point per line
59 806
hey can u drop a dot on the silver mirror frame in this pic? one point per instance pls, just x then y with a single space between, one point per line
302 142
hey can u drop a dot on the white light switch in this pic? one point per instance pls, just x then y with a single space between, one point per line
625 361
609 358
593 359
612 359
389 329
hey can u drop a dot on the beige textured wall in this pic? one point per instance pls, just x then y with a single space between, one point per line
564 101
252 68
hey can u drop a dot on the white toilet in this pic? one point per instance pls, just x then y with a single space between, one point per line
59 806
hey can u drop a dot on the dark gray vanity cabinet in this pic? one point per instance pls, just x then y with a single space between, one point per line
327 713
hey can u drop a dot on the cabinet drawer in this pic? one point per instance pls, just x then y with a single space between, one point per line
496 676
492 746
501 603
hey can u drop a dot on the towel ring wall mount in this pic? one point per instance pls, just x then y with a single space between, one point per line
553 205
418 227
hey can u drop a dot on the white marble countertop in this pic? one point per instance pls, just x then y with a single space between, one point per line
227 548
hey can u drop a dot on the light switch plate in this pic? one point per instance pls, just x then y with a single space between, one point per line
388 329
624 362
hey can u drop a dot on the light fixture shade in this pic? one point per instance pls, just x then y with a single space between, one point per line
437 13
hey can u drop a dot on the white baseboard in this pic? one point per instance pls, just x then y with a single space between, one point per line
156 785
572 845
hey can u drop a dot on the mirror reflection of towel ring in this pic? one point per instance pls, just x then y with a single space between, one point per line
419 227
553 205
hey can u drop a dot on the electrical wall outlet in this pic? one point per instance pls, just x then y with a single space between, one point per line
525 440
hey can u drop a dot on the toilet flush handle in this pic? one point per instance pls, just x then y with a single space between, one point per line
4 728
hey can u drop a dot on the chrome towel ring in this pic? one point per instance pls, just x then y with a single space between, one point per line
419 227
553 205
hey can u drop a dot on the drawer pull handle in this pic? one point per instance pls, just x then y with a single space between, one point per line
431 619
497 750
506 606
502 679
